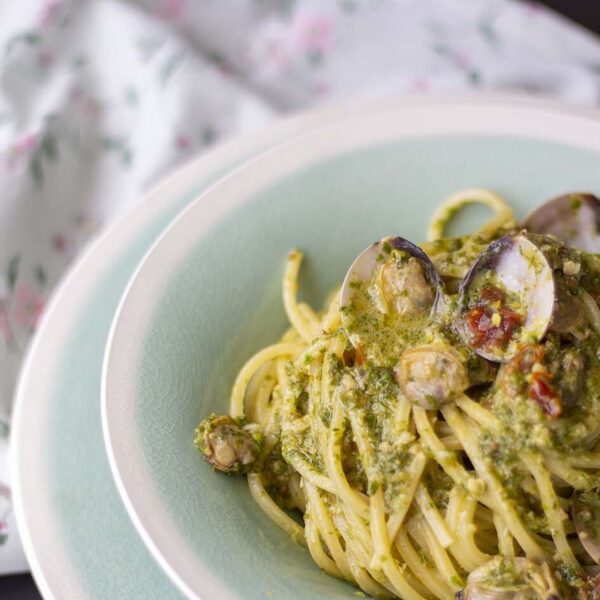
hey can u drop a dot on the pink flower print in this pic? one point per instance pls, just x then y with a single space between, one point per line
170 9
534 8
271 51
45 59
75 93
5 492
418 86
26 143
92 108
5 330
277 55
314 33
322 88
28 306
59 243
48 13
461 61
182 143
21 148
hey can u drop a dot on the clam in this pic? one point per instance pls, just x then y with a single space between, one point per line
510 579
507 298
431 375
574 219
392 281
227 444
585 511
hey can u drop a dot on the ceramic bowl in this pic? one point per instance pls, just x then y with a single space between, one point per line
207 296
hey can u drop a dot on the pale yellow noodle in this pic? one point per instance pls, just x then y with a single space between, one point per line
554 513
422 533
576 479
422 571
500 502
415 469
461 553
478 413
290 289
432 516
333 459
273 511
320 514
290 349
315 547
382 556
505 540
431 443
503 216
585 460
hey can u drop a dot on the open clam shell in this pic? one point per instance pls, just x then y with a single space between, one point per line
506 299
392 277
574 219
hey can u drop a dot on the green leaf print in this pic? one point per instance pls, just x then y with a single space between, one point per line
13 271
40 275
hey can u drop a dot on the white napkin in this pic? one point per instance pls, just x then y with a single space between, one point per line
100 99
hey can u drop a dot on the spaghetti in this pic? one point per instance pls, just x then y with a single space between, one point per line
421 467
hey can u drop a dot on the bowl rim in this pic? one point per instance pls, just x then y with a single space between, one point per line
431 117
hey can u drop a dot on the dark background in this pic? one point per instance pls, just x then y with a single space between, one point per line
584 12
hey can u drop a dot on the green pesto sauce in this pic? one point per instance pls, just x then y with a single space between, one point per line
591 517
382 337
457 254
527 427
504 575
368 388
386 337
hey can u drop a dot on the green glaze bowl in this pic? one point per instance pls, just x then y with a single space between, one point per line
207 296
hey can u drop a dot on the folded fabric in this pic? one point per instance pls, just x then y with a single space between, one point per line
100 99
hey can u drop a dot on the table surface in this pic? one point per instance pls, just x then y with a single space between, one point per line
585 12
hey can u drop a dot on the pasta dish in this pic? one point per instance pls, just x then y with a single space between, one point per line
434 432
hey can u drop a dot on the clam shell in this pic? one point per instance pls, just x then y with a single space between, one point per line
521 268
574 219
364 266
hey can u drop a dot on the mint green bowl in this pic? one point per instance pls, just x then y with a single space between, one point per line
207 296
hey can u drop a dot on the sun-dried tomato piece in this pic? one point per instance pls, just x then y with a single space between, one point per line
491 293
483 330
542 392
353 356
349 357
526 356
520 378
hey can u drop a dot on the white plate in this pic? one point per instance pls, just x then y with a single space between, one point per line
531 153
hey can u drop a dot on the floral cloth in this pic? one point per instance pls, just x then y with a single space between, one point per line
100 99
